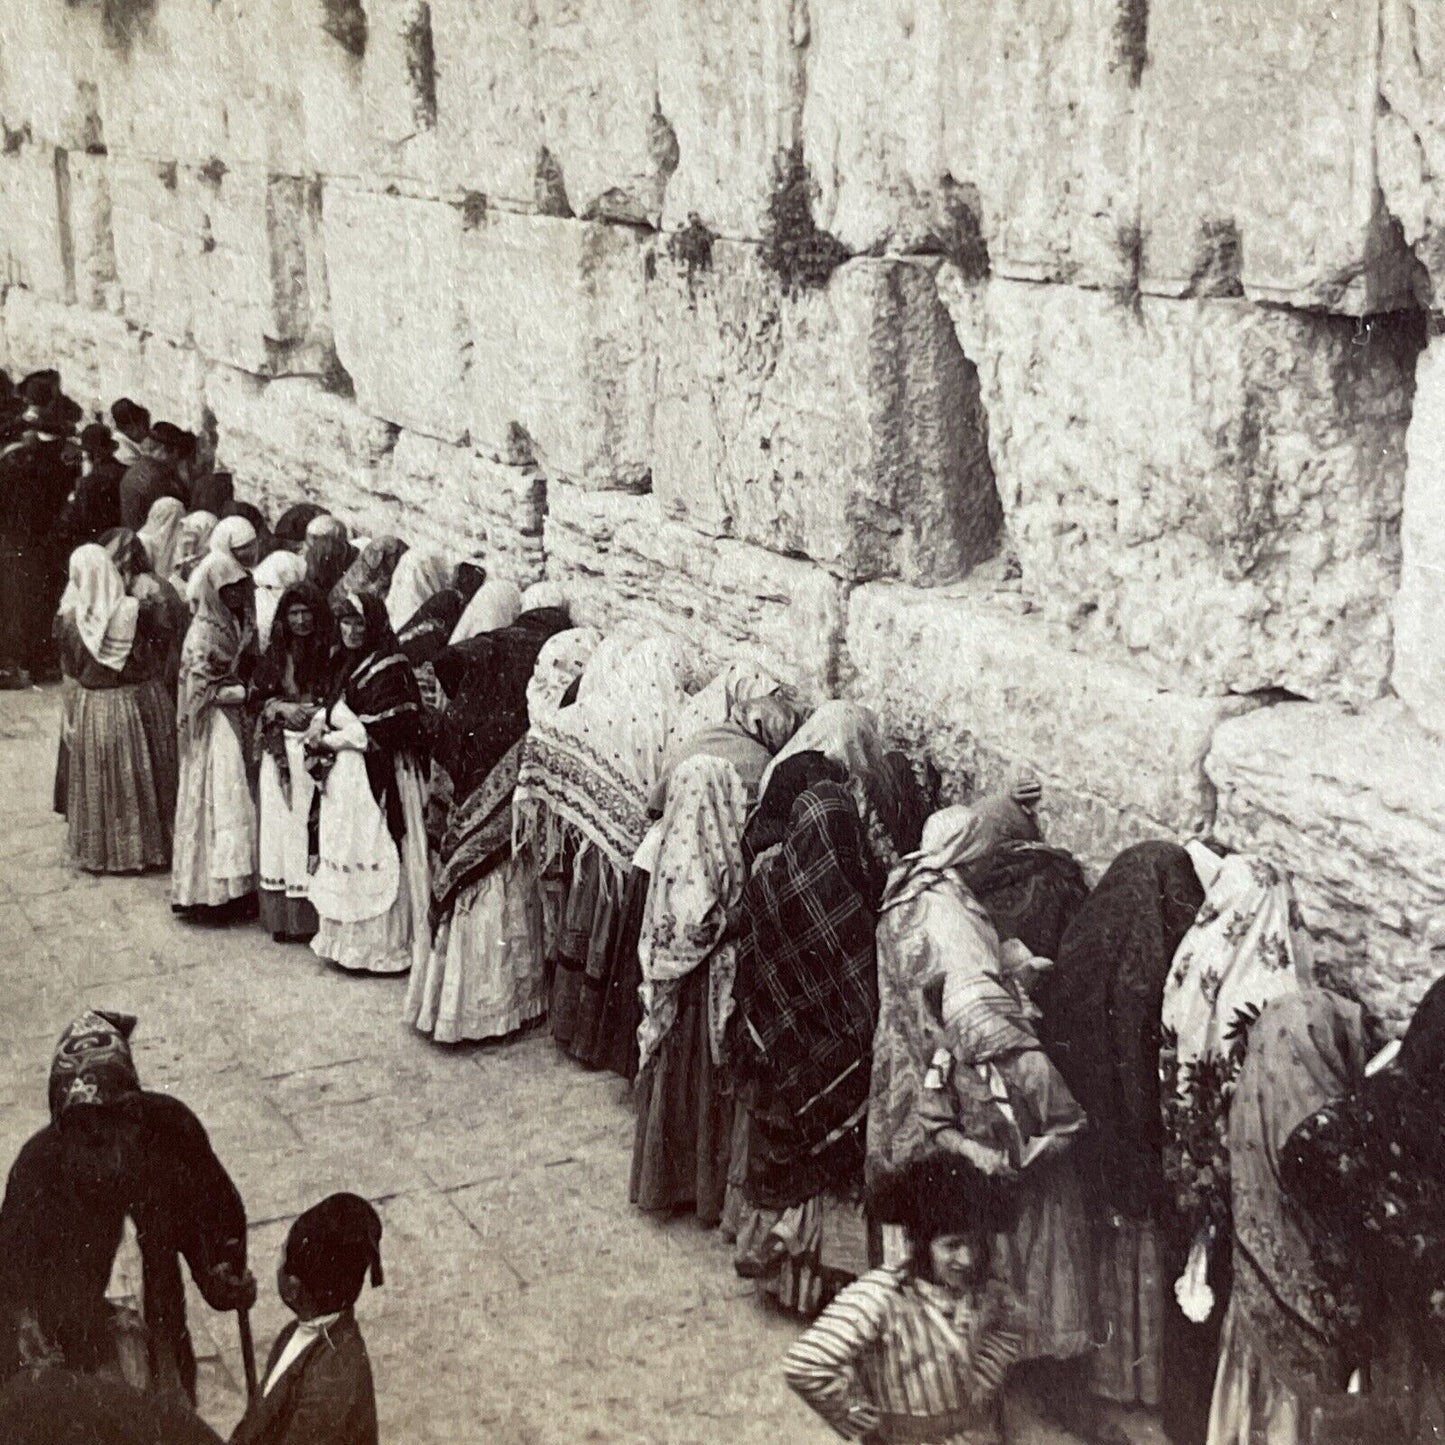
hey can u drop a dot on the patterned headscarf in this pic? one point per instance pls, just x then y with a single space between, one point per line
559 664
92 1062
374 568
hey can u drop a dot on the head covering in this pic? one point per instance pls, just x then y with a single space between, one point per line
125 549
807 1000
715 704
544 594
323 524
105 615
1304 1050
231 534
769 824
213 493
470 575
497 603
328 553
1101 1003
1031 891
698 881
374 567
559 664
937 1194
849 734
214 640
161 532
192 542
770 720
305 660
273 576
331 1249
92 1063
97 440
419 575
291 525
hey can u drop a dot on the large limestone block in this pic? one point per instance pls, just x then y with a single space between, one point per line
842 424
1210 487
1410 128
557 316
1259 158
731 86
1354 807
34 194
596 64
159 236
392 264
50 58
171 382
962 675
262 109
98 356
488 126
619 559
92 241
1419 671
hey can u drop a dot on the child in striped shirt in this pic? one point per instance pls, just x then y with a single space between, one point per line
919 1353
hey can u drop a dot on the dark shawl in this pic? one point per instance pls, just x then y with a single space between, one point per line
327 558
63 1407
295 669
1101 1003
425 634
1032 893
768 826
291 525
479 743
214 493
807 1002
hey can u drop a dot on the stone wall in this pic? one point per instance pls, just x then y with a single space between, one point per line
1051 374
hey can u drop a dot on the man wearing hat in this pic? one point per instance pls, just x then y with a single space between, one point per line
154 474
114 1160
94 505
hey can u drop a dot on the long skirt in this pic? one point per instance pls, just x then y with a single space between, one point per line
395 936
483 977
121 784
1130 1293
609 1008
69 695
215 837
683 1141
285 907
586 895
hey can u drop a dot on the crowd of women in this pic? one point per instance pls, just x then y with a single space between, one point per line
818 977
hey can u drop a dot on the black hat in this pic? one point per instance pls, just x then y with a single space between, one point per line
332 1247
170 436
41 389
127 413
97 438
942 1194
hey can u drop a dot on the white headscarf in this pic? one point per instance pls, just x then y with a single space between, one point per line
496 604
560 662
230 534
326 525
191 544
419 576
160 534
543 594
105 616
273 575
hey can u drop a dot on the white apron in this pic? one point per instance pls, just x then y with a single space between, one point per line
232 853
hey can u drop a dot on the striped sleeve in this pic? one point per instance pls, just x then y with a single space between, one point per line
822 1365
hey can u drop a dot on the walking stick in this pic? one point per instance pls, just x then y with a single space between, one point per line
248 1351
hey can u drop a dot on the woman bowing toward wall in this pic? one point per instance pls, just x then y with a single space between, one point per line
366 749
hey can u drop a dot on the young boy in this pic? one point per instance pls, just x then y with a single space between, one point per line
920 1352
317 1387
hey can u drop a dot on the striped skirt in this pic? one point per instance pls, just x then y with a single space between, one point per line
121 785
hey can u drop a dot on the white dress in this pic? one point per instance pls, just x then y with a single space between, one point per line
370 896
283 840
214 857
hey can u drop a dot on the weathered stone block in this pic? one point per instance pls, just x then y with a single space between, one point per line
561 345
159 236
1212 487
1354 807
1419 671
34 192
172 382
98 356
962 675
50 60
731 87
843 424
619 559
392 264
1260 140
595 65
92 243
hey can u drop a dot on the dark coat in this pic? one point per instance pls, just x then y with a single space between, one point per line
326 1397
59 1236
145 482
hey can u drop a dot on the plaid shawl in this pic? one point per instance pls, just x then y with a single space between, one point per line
807 990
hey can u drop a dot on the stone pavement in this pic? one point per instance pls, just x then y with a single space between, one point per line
525 1301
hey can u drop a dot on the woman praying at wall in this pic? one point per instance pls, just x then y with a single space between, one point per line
1245 948
366 750
684 1125
237 536
1283 1358
328 552
173 615
160 535
215 852
800 1048
192 545
274 576
1366 1176
957 1065
119 757
484 977
1101 1029
287 688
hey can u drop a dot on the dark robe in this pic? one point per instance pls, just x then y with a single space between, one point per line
326 1396
94 505
145 482
59 1236
61 1407
35 480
